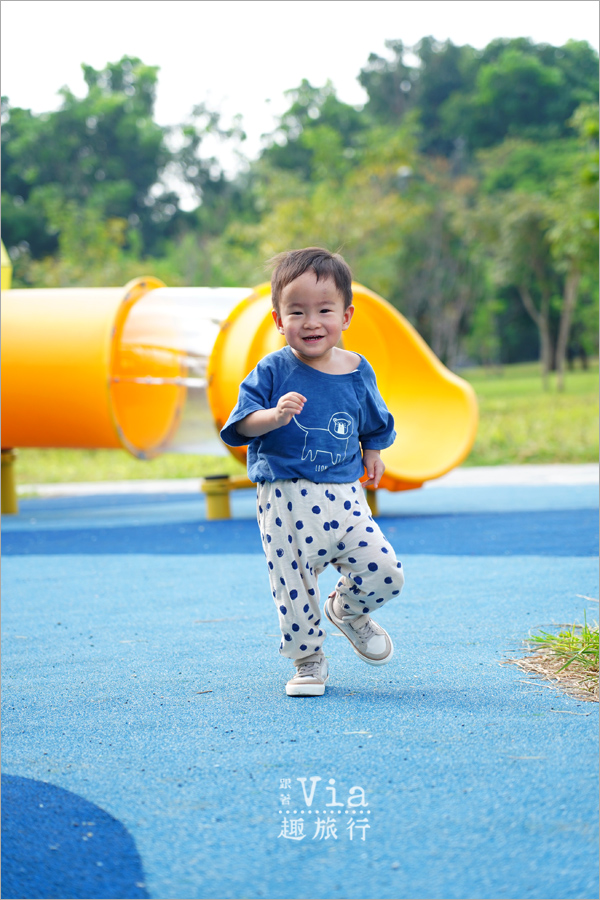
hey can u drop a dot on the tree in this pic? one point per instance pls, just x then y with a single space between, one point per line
104 151
357 207
514 227
513 87
389 84
24 223
538 227
218 198
441 281
444 70
574 232
522 89
314 119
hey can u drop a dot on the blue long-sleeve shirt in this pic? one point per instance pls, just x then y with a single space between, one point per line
323 443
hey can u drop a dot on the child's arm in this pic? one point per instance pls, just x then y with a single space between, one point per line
264 420
377 428
375 467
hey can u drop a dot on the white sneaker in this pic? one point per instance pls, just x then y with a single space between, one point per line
370 641
309 680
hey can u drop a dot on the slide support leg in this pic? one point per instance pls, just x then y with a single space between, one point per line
372 501
10 504
216 489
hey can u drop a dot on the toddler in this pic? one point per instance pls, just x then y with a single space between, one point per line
313 419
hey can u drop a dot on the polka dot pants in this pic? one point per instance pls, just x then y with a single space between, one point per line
306 527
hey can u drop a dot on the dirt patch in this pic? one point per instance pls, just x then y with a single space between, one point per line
576 681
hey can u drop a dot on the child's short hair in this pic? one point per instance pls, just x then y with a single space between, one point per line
293 263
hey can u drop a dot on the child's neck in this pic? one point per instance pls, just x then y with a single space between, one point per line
336 362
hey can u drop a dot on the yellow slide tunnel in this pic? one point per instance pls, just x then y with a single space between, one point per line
154 369
69 372
106 367
435 411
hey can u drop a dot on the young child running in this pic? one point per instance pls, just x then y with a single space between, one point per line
313 419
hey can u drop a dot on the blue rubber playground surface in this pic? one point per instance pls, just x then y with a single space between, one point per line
149 749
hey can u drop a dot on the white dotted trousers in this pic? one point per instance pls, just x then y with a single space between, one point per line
304 528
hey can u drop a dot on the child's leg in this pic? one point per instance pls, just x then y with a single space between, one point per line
292 576
371 574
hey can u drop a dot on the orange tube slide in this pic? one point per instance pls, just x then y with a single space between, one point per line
96 367
73 370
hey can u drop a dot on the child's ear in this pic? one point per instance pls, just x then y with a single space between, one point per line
277 320
348 313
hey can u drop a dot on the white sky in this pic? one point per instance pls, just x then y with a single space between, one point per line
241 55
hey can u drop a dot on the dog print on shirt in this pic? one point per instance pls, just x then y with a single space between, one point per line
331 441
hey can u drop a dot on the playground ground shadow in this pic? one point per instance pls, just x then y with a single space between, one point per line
56 844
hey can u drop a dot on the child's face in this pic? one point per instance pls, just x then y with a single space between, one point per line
312 317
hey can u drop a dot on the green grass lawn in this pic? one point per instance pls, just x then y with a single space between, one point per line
520 423
46 466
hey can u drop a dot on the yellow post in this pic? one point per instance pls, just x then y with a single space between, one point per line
372 501
9 491
6 269
216 489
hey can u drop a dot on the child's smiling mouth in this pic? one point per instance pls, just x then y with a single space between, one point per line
313 337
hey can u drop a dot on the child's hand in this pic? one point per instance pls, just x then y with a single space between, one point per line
374 466
288 406
265 420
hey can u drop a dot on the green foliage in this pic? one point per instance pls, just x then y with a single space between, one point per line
579 645
483 340
514 95
569 659
514 87
536 224
317 136
389 84
519 164
102 152
464 191
445 71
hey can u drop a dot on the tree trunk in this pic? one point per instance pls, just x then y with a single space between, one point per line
456 314
569 301
541 317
